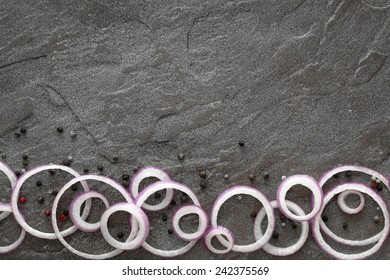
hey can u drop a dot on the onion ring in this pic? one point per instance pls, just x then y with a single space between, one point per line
12 178
6 207
148 172
343 205
306 181
143 226
383 234
15 195
151 189
277 251
218 231
59 235
186 210
75 209
267 206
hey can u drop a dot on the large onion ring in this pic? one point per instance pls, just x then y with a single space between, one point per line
151 172
267 206
186 210
75 209
277 251
15 196
218 231
12 178
147 192
383 235
59 235
306 181
138 214
5 207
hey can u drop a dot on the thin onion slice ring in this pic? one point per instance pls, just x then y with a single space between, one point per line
138 214
278 251
6 207
316 229
306 181
151 172
218 231
15 196
147 192
343 205
75 209
224 196
12 178
186 210
59 235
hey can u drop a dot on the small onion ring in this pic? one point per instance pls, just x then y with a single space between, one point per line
138 214
218 231
316 229
12 178
148 172
147 192
186 210
343 205
59 235
277 251
15 195
6 208
75 209
267 206
306 181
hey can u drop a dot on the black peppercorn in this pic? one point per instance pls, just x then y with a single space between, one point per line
38 183
241 143
115 157
325 218
170 231
125 176
100 167
157 195
202 185
85 170
251 177
294 225
345 225
74 187
164 218
23 130
52 172
202 174
41 200
60 129
120 235
25 163
253 214
379 188
25 156
66 162
275 235
17 134
17 173
266 175
53 192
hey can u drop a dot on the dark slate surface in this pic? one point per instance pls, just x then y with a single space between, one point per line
303 83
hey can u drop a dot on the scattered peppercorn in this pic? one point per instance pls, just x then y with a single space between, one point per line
251 177
164 217
25 156
115 158
17 173
22 200
376 219
379 188
74 187
38 183
294 225
52 172
125 176
85 170
17 134
25 163
345 225
135 169
23 130
170 231
202 185
62 217
202 174
47 213
3 156
66 162
125 183
73 134
253 214
241 143
120 235
284 225
374 184
157 195
41 200
266 175
53 192
226 177
180 156
100 167
275 235
325 218
60 129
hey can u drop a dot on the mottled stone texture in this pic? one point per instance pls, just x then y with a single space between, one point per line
304 83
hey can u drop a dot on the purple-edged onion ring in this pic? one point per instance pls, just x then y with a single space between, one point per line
306 181
224 196
147 192
59 235
151 172
277 251
12 178
15 196
142 221
218 231
186 210
75 210
383 234
6 208
343 205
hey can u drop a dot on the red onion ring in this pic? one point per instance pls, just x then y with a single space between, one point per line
218 231
138 214
147 192
317 220
6 208
267 206
15 196
306 181
149 172
277 251
343 205
186 210
59 234
75 209
12 178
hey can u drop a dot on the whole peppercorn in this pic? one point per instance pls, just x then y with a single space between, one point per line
47 213
325 218
73 134
52 172
294 225
17 134
125 176
38 183
251 177
115 158
226 177
66 162
41 200
275 235
180 156
202 185
253 214
241 143
120 235
23 130
25 163
266 175
379 188
100 167
345 225
164 217
60 129
170 231
202 174
74 187
25 156
22 200
85 170
62 217
17 173
157 195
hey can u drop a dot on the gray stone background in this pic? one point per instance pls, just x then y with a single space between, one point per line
304 83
